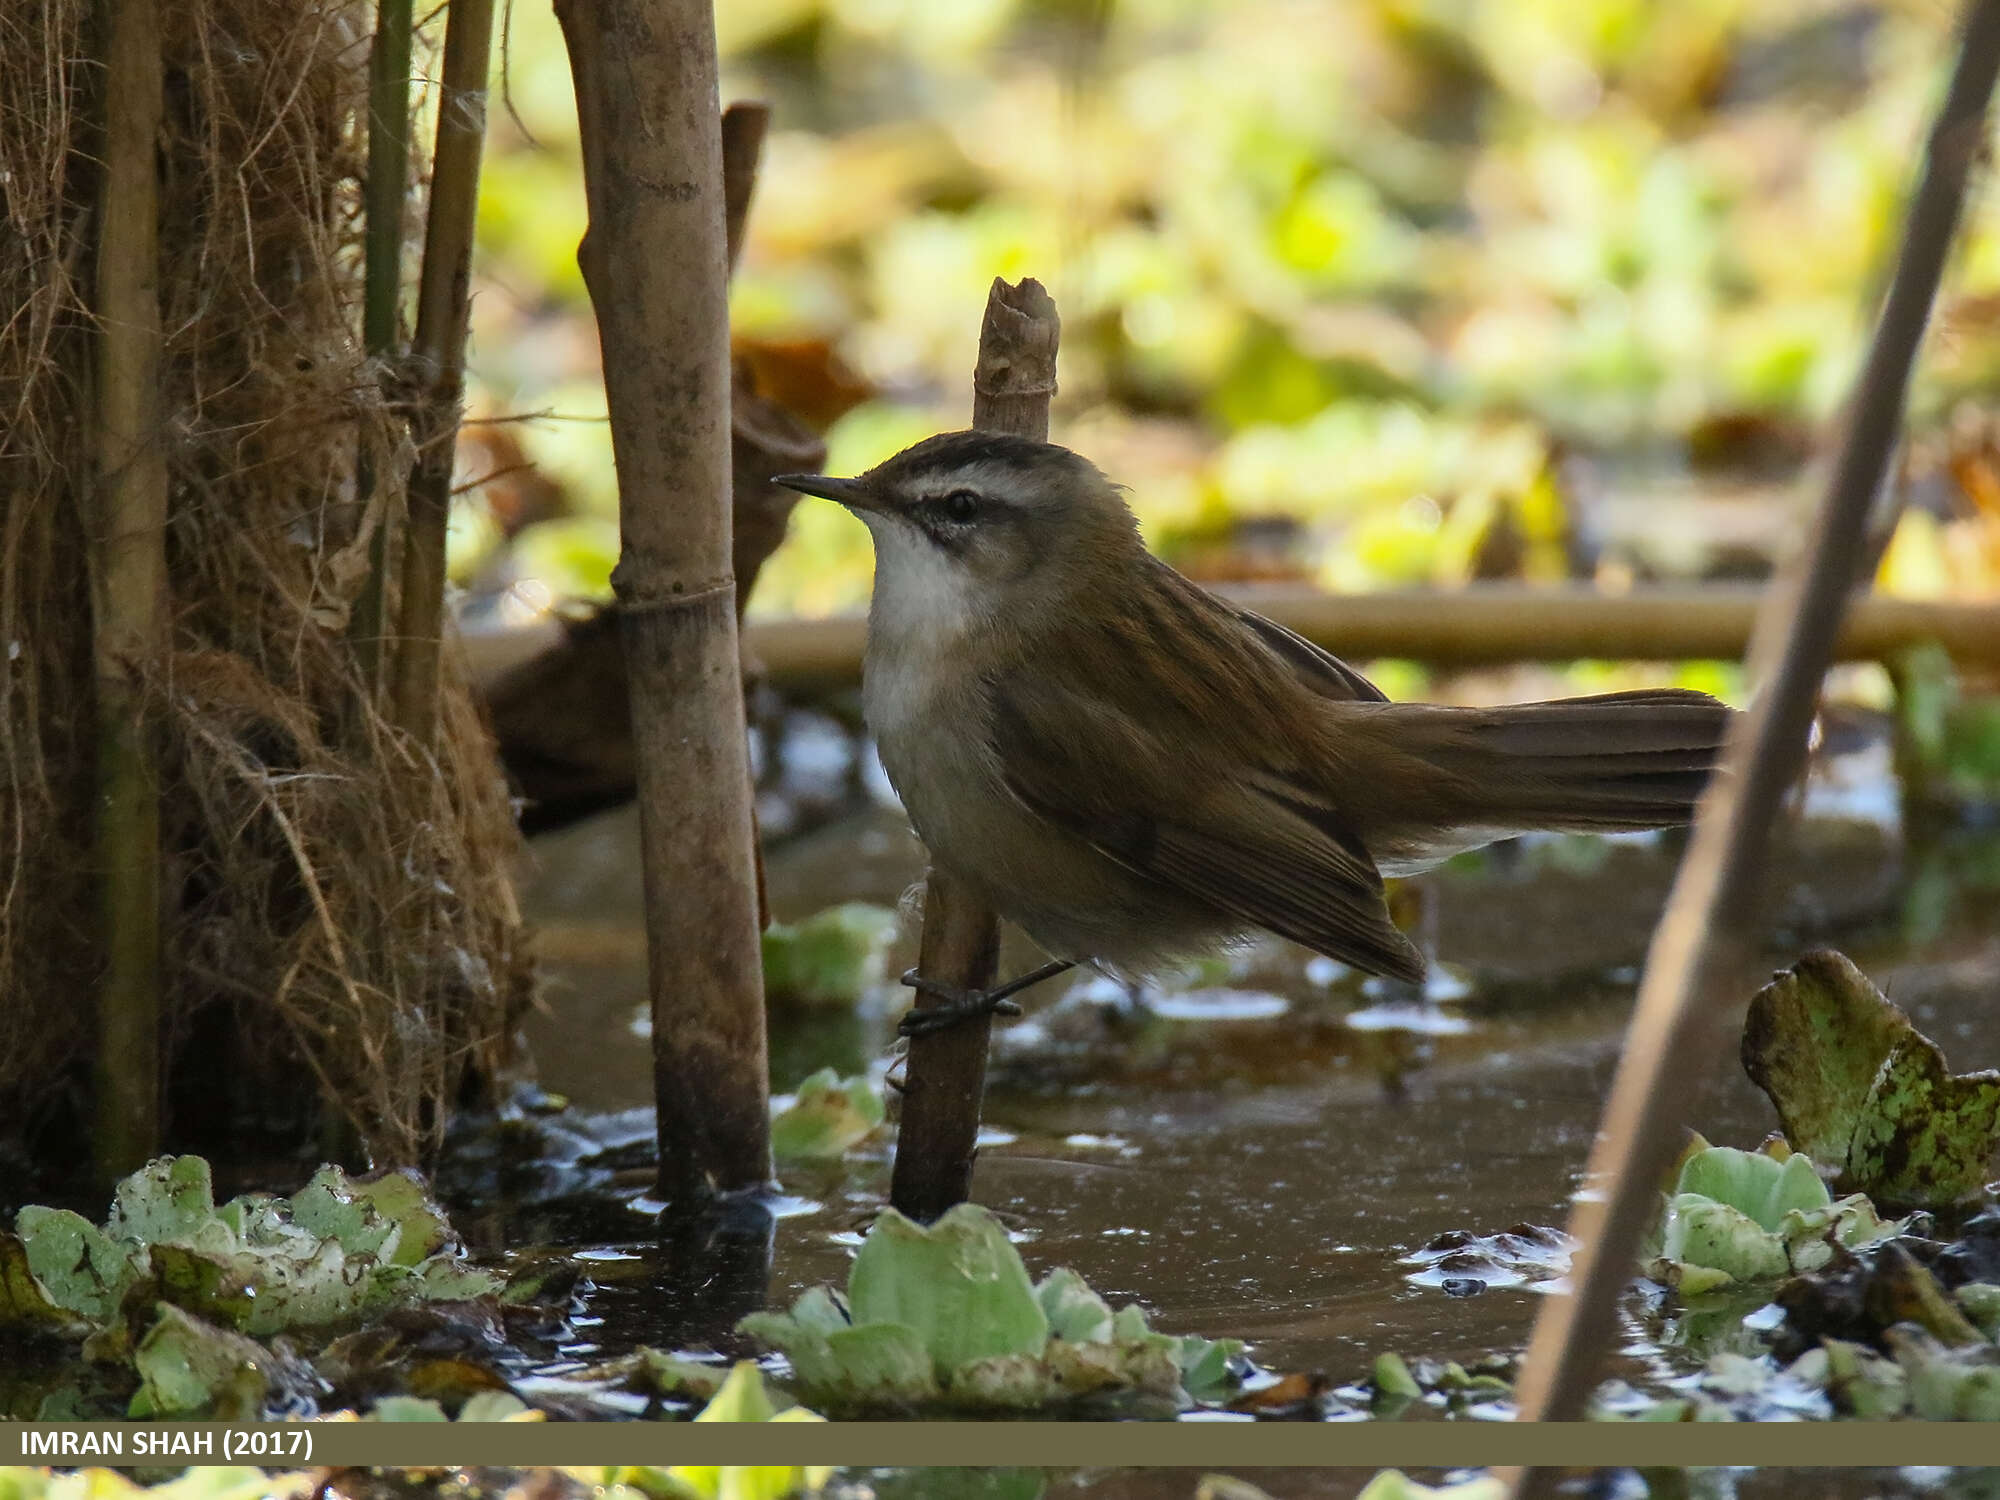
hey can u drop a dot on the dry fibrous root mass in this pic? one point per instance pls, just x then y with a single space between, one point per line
336 894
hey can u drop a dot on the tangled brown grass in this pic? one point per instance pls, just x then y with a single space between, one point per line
337 895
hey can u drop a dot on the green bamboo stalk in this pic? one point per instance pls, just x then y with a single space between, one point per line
382 248
443 299
128 589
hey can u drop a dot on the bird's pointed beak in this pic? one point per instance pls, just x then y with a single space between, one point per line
852 493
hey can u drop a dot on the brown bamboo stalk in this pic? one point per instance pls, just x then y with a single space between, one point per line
655 261
1699 967
937 1138
438 354
1479 625
128 577
388 179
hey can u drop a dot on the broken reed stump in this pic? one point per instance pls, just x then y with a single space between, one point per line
1700 961
128 577
444 294
946 1074
655 261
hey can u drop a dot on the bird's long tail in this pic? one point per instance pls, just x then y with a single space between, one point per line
1619 761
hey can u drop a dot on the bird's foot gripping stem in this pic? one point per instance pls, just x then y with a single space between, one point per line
956 1005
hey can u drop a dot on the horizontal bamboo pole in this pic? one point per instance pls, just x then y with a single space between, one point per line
1485 624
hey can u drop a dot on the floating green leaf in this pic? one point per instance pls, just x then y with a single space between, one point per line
481 1406
392 1217
1393 1379
1860 1382
169 1200
1861 1090
827 1116
831 958
188 1367
1981 1301
1073 1310
28 1306
1947 1384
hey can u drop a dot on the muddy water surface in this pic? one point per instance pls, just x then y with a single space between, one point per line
1253 1153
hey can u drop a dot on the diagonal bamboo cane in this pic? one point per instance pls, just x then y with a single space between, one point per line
1701 953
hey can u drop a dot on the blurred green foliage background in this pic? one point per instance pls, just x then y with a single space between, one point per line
1368 292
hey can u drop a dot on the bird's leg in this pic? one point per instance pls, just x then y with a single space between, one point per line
956 1006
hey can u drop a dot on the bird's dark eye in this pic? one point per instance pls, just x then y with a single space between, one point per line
960 506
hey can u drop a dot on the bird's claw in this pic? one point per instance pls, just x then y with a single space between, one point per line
955 1006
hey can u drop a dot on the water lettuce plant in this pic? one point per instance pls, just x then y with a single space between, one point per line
182 1290
946 1315
1744 1216
336 1250
1863 1092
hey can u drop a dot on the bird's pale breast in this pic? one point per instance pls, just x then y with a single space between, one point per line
932 731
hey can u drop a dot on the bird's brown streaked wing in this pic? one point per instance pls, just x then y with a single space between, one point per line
1313 667
1319 669
1289 885
1236 844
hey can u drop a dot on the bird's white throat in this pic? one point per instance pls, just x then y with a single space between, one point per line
923 597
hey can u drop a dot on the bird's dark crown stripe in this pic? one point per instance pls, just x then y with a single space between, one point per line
968 448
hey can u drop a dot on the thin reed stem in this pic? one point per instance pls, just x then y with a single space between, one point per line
129 589
438 357
382 289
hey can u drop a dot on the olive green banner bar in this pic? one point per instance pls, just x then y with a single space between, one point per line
1204 1445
